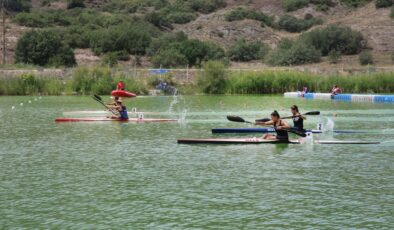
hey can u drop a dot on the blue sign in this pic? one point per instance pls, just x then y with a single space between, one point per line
159 71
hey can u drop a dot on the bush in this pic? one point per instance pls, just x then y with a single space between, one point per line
342 39
244 13
75 3
247 51
207 6
197 51
43 48
383 3
334 56
213 79
392 12
158 20
169 58
293 24
355 3
299 53
133 38
292 5
18 5
365 58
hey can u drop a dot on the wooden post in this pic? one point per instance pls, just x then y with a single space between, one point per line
3 12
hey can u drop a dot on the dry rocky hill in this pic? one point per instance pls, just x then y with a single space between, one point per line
375 24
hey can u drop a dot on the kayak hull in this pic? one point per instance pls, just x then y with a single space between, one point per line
233 141
271 130
122 93
105 119
251 130
263 141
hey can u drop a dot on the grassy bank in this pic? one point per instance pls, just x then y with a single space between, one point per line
287 81
215 79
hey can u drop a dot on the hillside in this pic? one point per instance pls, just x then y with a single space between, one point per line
212 25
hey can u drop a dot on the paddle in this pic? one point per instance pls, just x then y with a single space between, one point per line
240 119
100 100
237 119
312 113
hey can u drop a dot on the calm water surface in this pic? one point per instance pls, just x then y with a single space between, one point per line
116 176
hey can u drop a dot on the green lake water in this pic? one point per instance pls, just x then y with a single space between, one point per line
136 176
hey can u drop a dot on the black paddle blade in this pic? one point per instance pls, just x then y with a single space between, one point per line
97 97
235 118
313 113
263 120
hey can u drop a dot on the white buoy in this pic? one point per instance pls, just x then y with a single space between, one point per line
21 104
40 97
29 102
13 107
35 99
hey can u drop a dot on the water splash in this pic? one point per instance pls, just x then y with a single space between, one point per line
329 126
174 101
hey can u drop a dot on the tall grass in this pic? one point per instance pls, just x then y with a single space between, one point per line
286 81
101 80
84 80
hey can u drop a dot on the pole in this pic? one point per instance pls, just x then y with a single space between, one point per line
3 12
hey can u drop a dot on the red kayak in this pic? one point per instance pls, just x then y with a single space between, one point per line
122 93
101 119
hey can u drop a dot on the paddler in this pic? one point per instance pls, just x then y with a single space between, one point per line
114 102
120 85
297 118
121 109
280 128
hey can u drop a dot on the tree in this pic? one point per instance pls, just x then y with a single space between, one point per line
43 48
213 79
247 51
383 3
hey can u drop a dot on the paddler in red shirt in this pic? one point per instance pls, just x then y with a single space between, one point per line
120 85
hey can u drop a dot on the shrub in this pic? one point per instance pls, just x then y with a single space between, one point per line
292 5
244 13
334 56
293 24
43 48
207 6
365 58
133 38
75 3
197 51
392 12
169 58
18 5
383 3
299 53
213 79
247 51
355 3
342 39
158 20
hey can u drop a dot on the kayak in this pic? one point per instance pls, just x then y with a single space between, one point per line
271 130
122 93
102 119
103 112
261 141
251 130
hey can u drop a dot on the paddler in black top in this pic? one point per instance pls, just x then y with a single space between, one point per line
280 128
297 118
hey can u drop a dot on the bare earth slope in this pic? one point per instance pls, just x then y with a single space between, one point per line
375 24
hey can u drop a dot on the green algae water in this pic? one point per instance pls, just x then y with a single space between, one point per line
136 176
